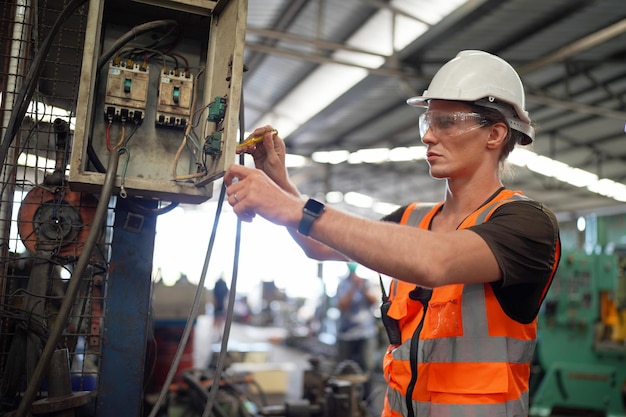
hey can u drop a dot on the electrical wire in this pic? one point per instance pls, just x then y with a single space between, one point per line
192 312
231 295
186 134
219 367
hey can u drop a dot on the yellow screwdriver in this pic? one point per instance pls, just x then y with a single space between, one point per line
254 140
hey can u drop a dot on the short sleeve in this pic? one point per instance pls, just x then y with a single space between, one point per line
524 238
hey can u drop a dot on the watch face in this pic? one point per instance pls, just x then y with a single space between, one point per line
314 206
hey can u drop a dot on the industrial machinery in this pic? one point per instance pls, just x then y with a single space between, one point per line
582 338
334 393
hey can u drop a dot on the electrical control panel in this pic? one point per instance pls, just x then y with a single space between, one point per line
161 85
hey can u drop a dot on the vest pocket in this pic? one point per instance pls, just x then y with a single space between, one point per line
467 381
444 319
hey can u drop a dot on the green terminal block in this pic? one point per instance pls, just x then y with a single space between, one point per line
213 145
217 110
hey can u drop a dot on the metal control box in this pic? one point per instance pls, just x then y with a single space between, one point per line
152 74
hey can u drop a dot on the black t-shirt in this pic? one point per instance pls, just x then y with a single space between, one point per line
523 236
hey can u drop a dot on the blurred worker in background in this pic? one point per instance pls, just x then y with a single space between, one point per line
357 331
220 296
469 273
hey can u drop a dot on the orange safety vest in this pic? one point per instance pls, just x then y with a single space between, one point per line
460 355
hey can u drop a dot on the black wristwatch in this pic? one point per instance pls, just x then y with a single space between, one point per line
311 211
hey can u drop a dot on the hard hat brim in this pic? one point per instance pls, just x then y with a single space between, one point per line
418 101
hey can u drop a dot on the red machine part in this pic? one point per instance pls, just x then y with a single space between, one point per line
60 220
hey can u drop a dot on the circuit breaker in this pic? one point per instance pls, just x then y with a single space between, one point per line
174 101
160 84
126 91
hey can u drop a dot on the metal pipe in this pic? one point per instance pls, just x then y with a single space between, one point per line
17 55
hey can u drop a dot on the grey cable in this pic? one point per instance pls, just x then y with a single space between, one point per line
192 312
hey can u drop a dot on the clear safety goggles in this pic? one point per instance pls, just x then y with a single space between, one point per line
445 123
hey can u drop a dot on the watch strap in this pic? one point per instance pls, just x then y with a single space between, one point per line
312 211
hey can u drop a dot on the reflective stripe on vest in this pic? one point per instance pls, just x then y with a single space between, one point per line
464 370
459 410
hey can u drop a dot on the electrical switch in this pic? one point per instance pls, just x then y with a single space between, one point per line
126 92
174 102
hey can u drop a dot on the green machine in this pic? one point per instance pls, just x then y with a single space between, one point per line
582 338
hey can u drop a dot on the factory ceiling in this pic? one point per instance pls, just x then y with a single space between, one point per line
334 75
353 63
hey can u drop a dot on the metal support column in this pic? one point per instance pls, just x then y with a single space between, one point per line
127 313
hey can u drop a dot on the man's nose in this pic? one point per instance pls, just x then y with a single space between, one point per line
428 137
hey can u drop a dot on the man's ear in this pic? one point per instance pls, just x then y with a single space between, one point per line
497 135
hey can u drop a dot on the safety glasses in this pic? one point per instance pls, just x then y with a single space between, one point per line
444 123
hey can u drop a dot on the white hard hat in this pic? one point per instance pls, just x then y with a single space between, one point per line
483 79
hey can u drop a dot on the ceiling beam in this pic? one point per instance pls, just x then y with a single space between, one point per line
318 43
577 107
319 59
577 47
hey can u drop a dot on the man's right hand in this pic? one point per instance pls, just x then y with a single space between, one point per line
269 155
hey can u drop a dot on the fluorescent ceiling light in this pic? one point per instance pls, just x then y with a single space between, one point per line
546 166
296 161
520 157
358 199
381 207
330 157
413 153
568 174
334 197
579 178
609 188
369 156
